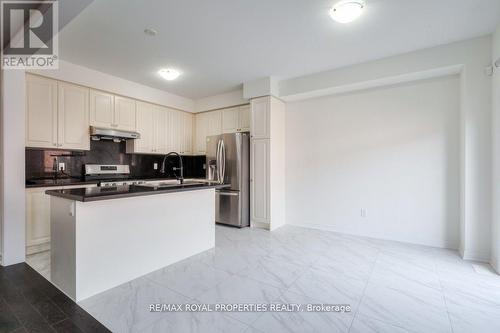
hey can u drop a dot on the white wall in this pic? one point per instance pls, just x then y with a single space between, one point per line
393 151
470 57
220 101
98 80
495 248
12 180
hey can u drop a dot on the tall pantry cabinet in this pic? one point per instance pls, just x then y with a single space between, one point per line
267 163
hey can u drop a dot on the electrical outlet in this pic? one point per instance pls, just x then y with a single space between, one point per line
363 212
62 166
155 166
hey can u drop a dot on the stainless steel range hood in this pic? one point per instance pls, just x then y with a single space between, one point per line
101 133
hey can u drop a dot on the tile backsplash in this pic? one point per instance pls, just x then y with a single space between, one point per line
40 162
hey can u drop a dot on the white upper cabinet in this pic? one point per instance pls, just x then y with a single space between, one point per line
230 120
260 118
41 112
160 132
73 117
236 119
244 118
214 122
124 113
207 124
175 131
110 111
187 134
57 114
146 128
201 125
102 106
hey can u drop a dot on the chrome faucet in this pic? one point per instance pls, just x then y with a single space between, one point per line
181 168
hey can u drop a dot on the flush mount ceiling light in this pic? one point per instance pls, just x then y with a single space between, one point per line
169 74
347 11
150 32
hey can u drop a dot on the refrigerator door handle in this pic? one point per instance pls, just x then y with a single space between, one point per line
223 161
232 194
217 161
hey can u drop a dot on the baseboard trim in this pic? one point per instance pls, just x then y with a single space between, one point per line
475 256
493 263
37 248
333 229
260 225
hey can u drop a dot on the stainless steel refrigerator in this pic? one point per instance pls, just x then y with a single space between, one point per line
228 161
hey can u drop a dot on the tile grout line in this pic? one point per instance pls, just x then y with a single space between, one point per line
364 290
443 293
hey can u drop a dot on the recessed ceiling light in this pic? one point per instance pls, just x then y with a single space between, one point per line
347 11
169 74
150 32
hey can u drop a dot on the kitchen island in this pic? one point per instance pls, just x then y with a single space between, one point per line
105 236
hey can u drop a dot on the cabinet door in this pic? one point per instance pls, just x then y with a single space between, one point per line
37 216
201 133
259 181
260 118
244 118
73 117
175 131
187 134
125 113
41 112
230 120
214 122
161 130
145 126
102 107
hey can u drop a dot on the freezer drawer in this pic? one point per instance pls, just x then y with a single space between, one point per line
228 208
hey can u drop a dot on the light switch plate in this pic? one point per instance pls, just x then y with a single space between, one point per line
62 166
155 166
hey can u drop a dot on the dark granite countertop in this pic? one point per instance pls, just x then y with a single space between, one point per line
52 182
125 191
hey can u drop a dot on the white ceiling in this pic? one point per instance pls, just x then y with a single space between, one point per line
220 44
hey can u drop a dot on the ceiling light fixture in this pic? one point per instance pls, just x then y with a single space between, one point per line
347 11
169 74
150 32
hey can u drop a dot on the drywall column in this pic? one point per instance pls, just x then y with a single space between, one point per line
495 240
12 180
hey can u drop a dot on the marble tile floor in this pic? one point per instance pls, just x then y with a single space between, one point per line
390 287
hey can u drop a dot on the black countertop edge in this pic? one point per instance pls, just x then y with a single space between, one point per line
74 181
96 194
58 182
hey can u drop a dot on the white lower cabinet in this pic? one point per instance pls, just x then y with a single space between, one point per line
38 217
259 181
